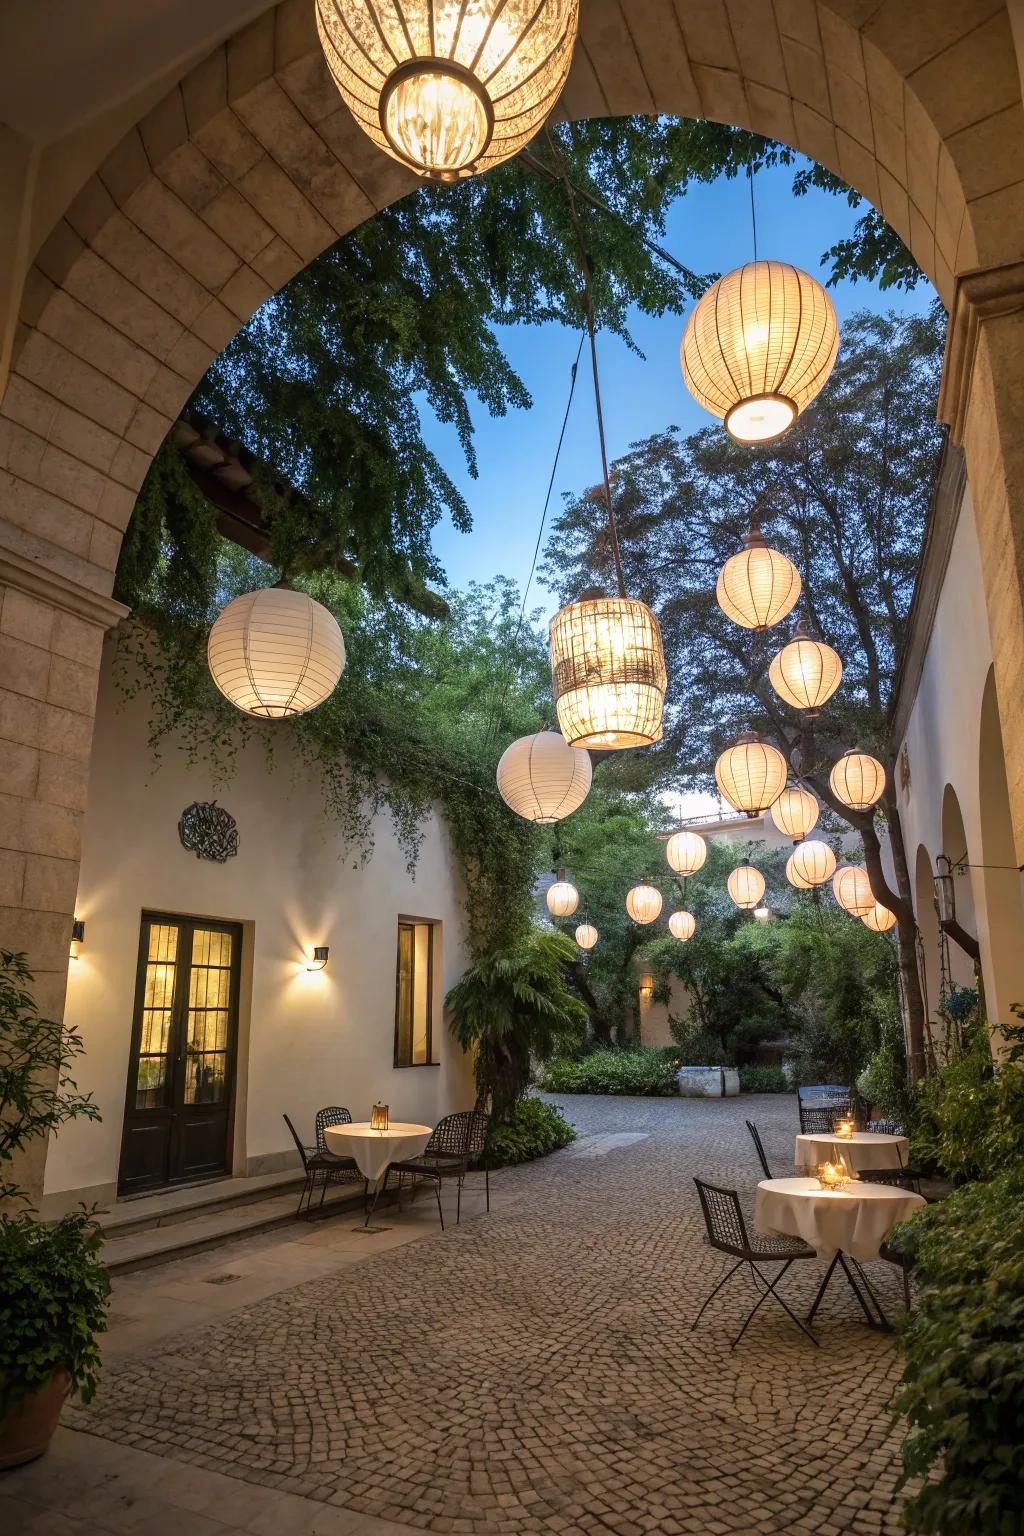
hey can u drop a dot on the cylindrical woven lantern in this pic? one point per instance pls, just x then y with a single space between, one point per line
795 813
751 774
746 885
879 919
852 889
586 935
562 898
686 852
857 780
542 778
449 87
608 673
758 586
811 863
275 652
758 347
806 672
643 903
682 925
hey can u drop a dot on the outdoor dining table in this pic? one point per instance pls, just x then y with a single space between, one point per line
862 1151
374 1150
839 1224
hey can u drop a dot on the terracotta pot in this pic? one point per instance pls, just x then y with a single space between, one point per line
27 1428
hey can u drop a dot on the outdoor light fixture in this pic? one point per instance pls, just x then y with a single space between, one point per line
795 813
562 898
449 87
646 987
542 778
275 652
586 935
608 673
379 1117
806 672
852 889
318 957
751 774
686 852
879 919
758 586
857 780
758 347
682 926
77 937
746 886
945 889
643 903
811 863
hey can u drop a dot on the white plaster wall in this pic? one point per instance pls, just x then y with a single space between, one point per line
306 1039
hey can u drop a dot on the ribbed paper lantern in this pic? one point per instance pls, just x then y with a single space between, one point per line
857 780
275 652
608 673
795 813
643 903
562 898
879 919
586 935
757 587
542 778
751 774
746 885
686 852
449 87
681 925
806 672
852 889
758 347
810 863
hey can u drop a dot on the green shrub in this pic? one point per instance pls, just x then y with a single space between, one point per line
642 1069
765 1080
968 1119
963 1384
883 1082
531 1130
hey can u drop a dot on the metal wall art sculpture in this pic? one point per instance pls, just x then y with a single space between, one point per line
209 831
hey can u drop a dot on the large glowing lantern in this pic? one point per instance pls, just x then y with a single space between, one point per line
681 925
806 672
758 586
586 935
811 863
758 347
449 87
746 885
542 778
852 889
275 653
562 898
686 852
879 919
643 903
857 780
751 774
608 673
795 813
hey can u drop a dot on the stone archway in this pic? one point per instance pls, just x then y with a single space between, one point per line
955 847
998 878
928 930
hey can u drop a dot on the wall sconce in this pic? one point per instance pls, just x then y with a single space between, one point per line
647 987
318 957
77 936
945 891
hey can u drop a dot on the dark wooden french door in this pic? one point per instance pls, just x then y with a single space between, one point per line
181 1075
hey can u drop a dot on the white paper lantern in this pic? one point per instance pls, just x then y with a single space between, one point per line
608 673
746 886
686 852
806 672
879 919
762 914
810 864
758 586
751 774
643 903
562 898
857 780
682 926
586 935
852 889
275 652
542 778
795 813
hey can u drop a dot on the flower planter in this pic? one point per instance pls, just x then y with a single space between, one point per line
27 1428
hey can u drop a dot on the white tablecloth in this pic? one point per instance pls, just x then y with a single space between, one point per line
861 1151
856 1219
374 1150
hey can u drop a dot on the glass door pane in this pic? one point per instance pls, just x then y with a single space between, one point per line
208 1017
153 1082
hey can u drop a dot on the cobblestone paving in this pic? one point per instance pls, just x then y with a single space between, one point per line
534 1370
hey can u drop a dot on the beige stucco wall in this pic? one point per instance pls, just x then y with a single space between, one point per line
306 1039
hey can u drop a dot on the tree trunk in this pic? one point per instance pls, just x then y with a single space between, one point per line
599 1025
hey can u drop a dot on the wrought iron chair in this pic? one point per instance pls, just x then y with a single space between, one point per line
345 1170
759 1148
893 1254
455 1142
901 1178
318 1167
820 1119
727 1232
885 1127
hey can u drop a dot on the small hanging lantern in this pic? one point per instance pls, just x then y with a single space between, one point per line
686 852
608 673
586 935
379 1117
945 889
682 926
810 863
758 347
857 780
751 774
746 886
562 898
275 652
806 672
759 586
762 914
795 813
879 919
852 889
542 778
643 903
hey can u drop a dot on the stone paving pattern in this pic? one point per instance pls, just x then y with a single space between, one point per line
534 1370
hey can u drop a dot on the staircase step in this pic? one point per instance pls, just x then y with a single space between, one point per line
140 1213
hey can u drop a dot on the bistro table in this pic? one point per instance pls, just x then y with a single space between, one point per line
852 1222
862 1151
374 1150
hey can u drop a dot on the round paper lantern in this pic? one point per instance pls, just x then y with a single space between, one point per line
857 780
643 903
608 673
757 587
686 852
449 87
806 672
586 935
852 889
879 919
751 774
810 864
681 925
795 813
562 898
542 778
746 885
758 347
275 652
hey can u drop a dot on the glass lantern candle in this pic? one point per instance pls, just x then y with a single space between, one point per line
379 1117
845 1129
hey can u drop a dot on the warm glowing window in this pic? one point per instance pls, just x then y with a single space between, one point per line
415 988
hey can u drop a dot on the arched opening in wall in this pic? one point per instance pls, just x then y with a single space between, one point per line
999 875
928 933
962 966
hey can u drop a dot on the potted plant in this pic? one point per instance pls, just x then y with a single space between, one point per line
53 1287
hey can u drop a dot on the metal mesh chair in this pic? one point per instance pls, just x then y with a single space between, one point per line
319 1167
727 1232
759 1148
900 1178
344 1170
455 1142
820 1119
885 1127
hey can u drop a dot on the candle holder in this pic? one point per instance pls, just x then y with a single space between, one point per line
844 1129
834 1175
379 1117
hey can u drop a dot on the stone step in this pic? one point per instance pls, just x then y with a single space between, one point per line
140 1213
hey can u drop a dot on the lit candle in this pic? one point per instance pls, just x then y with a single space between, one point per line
845 1129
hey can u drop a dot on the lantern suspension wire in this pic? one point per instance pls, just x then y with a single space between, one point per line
753 211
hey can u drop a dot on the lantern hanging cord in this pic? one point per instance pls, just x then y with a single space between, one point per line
753 211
